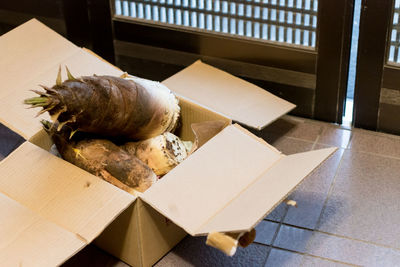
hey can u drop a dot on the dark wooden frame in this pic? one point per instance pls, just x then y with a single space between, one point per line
335 29
100 20
215 45
375 21
75 13
89 24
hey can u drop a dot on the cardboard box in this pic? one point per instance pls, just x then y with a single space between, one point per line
50 209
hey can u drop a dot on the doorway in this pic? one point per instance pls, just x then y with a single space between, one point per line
349 102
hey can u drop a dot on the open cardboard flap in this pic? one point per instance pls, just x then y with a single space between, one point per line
29 50
47 204
222 92
230 183
25 235
33 62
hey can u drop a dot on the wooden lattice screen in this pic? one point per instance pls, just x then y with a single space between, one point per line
285 21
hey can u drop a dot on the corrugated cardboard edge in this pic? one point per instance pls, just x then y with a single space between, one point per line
140 235
259 139
334 149
121 237
199 105
156 232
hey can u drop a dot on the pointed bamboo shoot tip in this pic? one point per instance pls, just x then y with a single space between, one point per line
54 117
58 80
72 133
124 75
46 124
40 113
61 125
45 87
70 76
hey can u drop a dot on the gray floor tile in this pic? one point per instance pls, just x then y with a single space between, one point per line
284 258
383 144
364 202
335 136
289 145
265 232
310 261
312 193
293 127
193 251
336 248
352 251
278 213
292 238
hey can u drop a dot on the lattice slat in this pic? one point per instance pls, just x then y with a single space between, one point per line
286 21
394 55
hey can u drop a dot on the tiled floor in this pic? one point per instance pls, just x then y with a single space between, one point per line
348 210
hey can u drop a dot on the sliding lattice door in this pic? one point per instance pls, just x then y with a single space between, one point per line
292 22
296 49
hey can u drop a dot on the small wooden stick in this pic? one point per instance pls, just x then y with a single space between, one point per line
223 242
228 242
291 203
247 238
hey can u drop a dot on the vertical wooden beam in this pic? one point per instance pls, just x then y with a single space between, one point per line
76 19
100 19
334 40
375 24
